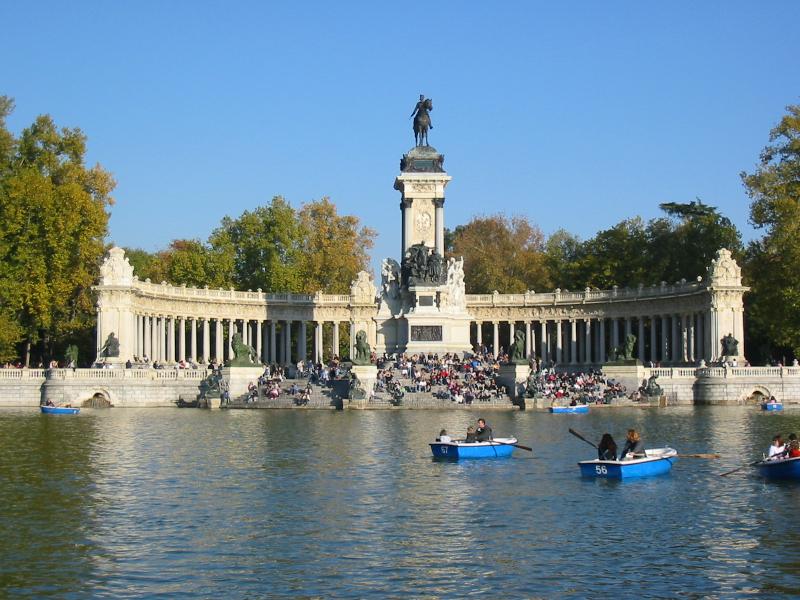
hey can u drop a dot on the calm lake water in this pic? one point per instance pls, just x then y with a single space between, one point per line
315 504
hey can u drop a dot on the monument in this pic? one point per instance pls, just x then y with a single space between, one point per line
422 300
242 369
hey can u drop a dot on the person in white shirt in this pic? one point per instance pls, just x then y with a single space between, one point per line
778 448
443 437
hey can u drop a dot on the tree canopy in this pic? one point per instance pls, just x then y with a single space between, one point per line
53 221
773 261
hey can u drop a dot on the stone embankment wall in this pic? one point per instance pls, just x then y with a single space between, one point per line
156 388
120 387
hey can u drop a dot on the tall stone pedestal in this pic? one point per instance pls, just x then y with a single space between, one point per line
628 373
238 378
515 378
360 393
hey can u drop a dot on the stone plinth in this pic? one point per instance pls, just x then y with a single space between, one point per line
515 378
238 378
362 390
629 373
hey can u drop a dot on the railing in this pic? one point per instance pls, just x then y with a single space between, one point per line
138 374
557 297
22 373
733 372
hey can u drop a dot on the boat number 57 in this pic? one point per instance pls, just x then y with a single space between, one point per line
601 470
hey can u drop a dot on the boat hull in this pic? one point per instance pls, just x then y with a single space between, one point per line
771 406
499 448
59 410
658 462
787 468
571 410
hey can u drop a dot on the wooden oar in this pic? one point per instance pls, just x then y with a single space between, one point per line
752 464
580 437
520 446
700 455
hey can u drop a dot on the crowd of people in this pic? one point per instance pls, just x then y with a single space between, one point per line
462 380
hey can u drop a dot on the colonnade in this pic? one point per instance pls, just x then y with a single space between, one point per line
662 338
170 338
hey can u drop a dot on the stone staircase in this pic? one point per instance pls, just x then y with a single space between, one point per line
326 397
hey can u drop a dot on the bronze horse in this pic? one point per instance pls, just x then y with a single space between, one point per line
422 121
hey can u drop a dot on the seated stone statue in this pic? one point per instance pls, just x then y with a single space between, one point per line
111 347
518 349
243 355
362 356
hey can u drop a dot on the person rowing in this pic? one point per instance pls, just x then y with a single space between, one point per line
634 446
607 449
483 433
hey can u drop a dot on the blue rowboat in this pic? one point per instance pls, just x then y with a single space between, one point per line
580 408
781 468
771 406
656 461
59 410
497 448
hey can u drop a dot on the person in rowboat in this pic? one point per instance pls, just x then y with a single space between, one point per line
634 446
443 437
470 439
483 433
607 449
793 446
777 449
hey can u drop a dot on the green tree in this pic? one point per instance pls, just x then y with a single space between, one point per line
614 256
53 219
773 262
261 248
501 254
563 256
333 248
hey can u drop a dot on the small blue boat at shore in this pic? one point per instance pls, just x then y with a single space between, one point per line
781 468
572 410
59 410
456 449
657 461
771 406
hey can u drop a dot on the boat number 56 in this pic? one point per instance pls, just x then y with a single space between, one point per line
601 470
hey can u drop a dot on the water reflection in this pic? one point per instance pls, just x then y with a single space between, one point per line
349 504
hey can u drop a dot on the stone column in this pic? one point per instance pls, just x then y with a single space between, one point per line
511 326
700 337
495 338
318 341
628 326
528 341
245 332
665 354
170 327
559 350
162 339
302 347
438 203
601 356
335 342
405 204
287 342
231 331
653 340
219 354
690 355
352 340
148 337
684 333
182 338
193 338
273 347
641 339
615 331
479 334
573 342
259 325
206 340
543 340
587 342
676 354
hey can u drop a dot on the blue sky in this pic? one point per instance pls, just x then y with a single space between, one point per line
577 115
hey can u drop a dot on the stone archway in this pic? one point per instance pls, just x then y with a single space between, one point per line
758 395
99 399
